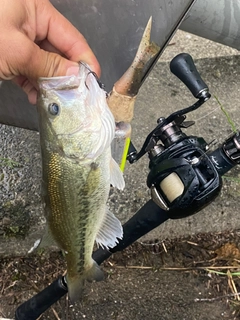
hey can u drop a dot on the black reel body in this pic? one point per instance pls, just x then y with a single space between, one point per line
183 178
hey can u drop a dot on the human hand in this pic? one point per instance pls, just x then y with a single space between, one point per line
37 41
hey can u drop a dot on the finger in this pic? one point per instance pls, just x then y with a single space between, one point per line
33 62
47 46
67 39
28 87
32 96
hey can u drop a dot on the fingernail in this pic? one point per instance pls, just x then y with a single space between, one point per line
73 70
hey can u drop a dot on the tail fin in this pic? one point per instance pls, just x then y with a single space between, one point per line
76 284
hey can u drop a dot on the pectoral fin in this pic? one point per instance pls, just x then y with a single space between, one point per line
116 178
110 232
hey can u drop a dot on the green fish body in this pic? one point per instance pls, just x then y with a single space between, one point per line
76 130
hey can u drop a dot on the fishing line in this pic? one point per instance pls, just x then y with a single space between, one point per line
207 114
216 110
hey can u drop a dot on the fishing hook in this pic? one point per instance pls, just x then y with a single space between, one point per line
101 85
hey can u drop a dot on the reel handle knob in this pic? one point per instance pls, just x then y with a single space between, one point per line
183 67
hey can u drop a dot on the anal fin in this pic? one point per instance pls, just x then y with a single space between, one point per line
110 232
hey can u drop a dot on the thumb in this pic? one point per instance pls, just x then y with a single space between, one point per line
36 62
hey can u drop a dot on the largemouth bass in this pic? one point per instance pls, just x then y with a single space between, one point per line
76 131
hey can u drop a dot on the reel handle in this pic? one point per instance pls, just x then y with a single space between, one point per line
183 67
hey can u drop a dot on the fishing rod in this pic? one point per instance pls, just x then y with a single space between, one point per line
184 177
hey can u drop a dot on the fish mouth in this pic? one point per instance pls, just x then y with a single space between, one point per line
66 82
59 83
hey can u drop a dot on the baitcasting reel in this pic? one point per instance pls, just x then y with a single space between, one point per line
184 177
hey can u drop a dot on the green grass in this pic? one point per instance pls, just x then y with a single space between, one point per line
231 178
8 162
230 121
223 273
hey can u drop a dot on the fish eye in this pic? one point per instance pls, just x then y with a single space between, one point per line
53 109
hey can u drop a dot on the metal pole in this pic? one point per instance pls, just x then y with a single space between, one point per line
216 20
